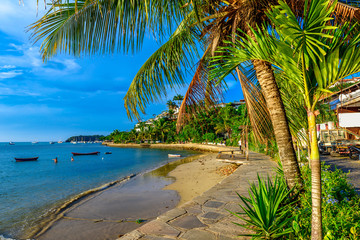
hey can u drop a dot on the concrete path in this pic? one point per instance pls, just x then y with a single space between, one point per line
206 216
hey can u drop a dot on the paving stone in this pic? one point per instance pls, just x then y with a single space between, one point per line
220 211
223 237
134 235
159 228
155 238
192 208
211 217
202 199
172 214
196 234
187 222
233 207
214 204
228 228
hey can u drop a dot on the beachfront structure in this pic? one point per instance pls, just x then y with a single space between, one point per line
234 104
346 104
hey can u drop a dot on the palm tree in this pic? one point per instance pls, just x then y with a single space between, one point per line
94 26
314 55
171 105
178 98
225 123
171 113
161 126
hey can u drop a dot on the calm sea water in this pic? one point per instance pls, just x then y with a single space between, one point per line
29 189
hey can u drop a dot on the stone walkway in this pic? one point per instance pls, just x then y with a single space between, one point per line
206 216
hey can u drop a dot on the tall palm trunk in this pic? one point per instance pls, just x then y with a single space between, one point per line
266 78
316 225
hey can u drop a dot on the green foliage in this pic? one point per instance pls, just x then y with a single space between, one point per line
209 137
266 211
89 138
341 207
214 125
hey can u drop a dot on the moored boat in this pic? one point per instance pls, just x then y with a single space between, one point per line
90 153
108 152
11 143
174 155
51 142
26 159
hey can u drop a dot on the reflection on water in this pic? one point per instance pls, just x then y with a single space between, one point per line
167 168
29 190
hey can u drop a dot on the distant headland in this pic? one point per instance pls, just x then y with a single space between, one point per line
89 138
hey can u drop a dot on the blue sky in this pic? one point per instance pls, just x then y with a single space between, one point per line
66 96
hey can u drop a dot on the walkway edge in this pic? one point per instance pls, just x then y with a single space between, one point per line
207 216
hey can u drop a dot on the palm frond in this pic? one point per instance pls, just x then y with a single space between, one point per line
202 93
256 105
102 26
162 70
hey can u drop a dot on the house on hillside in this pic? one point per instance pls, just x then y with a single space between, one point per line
234 104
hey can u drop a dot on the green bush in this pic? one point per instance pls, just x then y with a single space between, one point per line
209 137
340 209
266 211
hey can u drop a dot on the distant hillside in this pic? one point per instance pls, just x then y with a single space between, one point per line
81 138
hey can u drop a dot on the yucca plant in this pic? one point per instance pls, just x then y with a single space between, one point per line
265 209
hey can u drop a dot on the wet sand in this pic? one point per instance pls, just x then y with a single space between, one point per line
113 212
195 178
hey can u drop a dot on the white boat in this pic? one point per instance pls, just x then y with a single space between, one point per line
11 143
60 141
34 142
174 155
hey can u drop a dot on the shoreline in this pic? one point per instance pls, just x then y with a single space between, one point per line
175 146
55 214
196 177
168 170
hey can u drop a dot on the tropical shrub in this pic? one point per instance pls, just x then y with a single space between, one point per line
341 206
267 212
209 137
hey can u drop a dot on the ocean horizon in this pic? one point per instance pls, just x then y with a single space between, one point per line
30 190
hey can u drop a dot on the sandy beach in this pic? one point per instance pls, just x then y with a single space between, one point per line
183 146
195 178
113 212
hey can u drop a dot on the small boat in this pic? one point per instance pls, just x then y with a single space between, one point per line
60 141
51 142
11 143
108 152
34 142
80 154
26 159
174 155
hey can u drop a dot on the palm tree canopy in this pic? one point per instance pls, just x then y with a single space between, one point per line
104 26
313 56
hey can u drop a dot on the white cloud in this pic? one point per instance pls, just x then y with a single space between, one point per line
7 67
27 56
10 74
10 10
